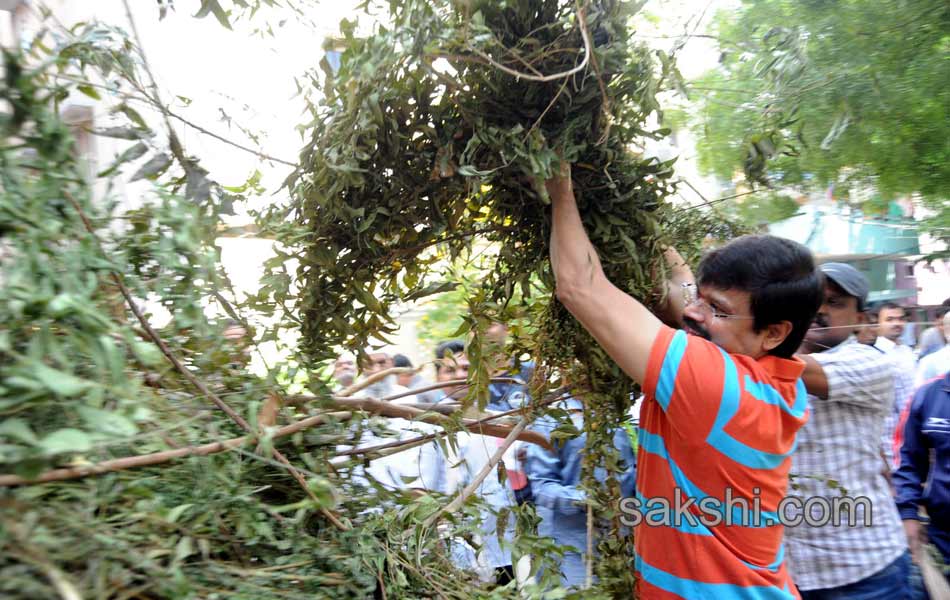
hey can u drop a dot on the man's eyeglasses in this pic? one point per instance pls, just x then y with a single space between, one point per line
691 298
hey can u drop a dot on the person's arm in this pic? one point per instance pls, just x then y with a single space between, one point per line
543 469
910 476
620 324
814 378
851 376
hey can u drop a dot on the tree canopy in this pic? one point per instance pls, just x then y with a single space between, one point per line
810 94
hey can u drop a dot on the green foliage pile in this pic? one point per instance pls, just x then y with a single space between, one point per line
433 141
424 151
82 383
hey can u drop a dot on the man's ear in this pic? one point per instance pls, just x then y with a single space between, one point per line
775 334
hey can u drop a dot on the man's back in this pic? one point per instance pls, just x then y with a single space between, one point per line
715 426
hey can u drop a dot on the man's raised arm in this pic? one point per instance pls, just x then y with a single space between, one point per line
619 323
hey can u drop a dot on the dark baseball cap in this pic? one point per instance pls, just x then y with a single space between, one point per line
849 279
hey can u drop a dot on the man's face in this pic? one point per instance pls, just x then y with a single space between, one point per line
405 379
344 370
240 346
837 319
891 323
496 336
376 362
454 368
724 317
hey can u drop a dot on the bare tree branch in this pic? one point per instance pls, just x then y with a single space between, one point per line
459 500
157 458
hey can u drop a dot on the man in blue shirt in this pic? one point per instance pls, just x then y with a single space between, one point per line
923 480
555 481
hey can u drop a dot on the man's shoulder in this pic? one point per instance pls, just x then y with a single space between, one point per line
935 390
937 357
853 350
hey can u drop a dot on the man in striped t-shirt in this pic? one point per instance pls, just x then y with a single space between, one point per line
723 404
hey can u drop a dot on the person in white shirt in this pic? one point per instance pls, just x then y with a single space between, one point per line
405 470
934 338
936 363
891 320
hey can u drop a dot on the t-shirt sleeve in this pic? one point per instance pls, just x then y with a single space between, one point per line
689 376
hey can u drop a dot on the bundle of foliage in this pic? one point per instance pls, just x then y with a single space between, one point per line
426 149
810 94
433 141
140 492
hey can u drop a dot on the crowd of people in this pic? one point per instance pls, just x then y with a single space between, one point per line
765 376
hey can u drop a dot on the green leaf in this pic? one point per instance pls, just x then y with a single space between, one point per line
184 548
59 382
66 440
197 186
123 133
18 429
130 154
155 166
174 514
89 91
212 6
110 423
437 287
133 115
147 353
30 468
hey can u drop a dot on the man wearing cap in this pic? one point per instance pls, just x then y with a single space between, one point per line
851 392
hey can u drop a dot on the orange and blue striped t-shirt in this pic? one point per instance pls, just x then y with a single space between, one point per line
712 422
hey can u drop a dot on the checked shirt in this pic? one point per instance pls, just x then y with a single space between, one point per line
839 454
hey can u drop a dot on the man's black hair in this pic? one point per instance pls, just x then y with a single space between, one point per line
876 308
453 347
781 279
401 360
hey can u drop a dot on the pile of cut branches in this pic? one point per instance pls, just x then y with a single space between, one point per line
132 461
433 142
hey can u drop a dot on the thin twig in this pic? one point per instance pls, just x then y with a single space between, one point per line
588 50
480 477
256 153
589 559
605 102
174 145
388 409
717 200
359 385
446 384
551 399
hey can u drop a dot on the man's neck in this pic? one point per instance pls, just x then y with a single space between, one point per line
885 343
